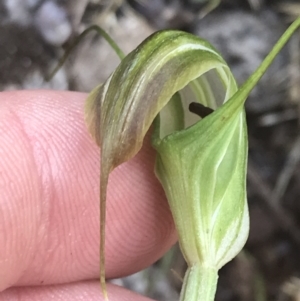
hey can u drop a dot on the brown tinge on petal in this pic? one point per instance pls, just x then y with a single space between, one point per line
92 114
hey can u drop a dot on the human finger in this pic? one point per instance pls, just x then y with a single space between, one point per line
49 188
88 291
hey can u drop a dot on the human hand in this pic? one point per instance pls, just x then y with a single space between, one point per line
49 204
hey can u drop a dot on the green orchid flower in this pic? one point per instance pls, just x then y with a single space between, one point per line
181 82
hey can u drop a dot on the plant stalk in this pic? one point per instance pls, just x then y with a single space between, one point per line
199 284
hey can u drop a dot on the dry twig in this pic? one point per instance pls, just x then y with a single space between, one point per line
285 221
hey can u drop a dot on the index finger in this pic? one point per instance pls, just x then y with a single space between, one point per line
49 207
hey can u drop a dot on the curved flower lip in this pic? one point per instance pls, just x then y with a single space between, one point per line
150 75
199 109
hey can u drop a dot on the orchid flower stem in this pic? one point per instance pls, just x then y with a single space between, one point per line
200 284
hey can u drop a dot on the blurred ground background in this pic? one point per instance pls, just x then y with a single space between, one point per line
33 36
